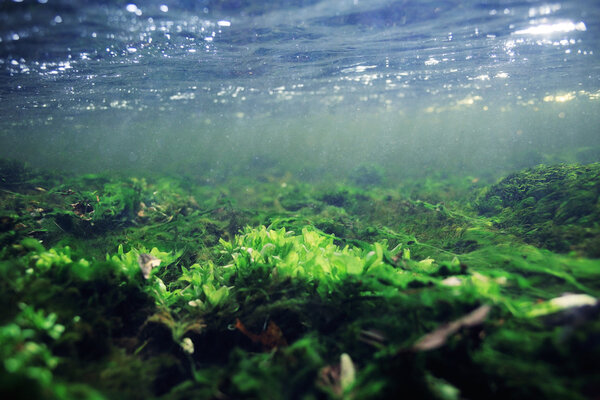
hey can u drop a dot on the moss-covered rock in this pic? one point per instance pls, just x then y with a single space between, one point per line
555 207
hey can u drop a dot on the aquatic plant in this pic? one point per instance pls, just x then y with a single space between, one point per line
27 360
555 207
295 290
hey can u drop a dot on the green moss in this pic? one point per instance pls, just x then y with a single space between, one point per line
555 207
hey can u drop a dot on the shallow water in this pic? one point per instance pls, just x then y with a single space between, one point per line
414 86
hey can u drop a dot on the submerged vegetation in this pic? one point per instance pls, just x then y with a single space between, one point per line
163 287
552 207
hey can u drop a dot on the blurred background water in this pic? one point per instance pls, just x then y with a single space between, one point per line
303 86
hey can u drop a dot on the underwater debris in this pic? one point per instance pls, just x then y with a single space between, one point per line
187 345
573 300
83 210
338 378
271 338
373 337
147 262
438 337
347 372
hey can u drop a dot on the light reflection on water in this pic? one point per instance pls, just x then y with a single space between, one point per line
184 63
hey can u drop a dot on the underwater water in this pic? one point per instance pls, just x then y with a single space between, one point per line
337 199
411 85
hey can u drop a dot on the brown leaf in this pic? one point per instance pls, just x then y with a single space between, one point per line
438 337
146 263
270 338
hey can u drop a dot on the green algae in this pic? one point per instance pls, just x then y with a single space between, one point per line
555 207
277 288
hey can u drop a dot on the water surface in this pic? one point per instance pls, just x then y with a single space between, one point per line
415 86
